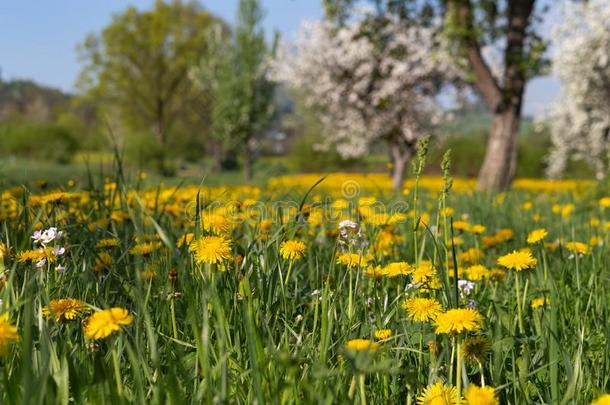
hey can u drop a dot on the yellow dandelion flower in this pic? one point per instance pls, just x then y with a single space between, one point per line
501 236
211 249
107 322
540 302
265 224
551 246
477 272
603 400
496 274
366 201
518 260
422 309
478 229
593 241
383 334
480 396
147 275
292 250
385 241
397 269
65 309
107 243
103 261
461 226
353 260
185 239
475 348
578 247
438 394
459 320
3 250
472 255
458 240
447 212
340 204
361 345
604 202
144 249
8 333
536 235
374 272
36 255
216 224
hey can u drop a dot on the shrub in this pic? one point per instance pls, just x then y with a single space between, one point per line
40 141
143 151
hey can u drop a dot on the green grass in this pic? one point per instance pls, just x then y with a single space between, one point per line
250 334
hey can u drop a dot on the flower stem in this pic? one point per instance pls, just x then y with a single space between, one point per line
117 371
288 273
350 297
173 313
352 388
420 365
458 377
362 390
518 297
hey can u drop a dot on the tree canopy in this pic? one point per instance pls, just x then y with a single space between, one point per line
137 67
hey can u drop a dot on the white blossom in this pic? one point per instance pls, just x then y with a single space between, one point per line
47 236
465 287
370 86
58 250
580 116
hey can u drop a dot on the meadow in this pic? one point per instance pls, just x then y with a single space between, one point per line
307 289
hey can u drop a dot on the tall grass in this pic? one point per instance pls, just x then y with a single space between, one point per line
247 335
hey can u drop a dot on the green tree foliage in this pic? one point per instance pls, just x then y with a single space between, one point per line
234 76
137 67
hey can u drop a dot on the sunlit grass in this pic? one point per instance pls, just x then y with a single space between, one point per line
261 320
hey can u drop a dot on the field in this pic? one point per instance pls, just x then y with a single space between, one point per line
307 289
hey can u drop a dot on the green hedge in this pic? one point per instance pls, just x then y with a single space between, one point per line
43 141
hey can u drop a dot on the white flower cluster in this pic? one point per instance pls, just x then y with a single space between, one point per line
371 83
42 239
47 236
351 236
580 117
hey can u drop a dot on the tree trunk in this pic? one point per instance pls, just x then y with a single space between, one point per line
504 102
500 162
400 157
218 153
247 164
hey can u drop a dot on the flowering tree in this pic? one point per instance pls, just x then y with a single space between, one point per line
507 27
580 117
375 79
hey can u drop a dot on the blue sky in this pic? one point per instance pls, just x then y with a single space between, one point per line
38 38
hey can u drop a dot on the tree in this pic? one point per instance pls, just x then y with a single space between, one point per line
138 65
580 116
374 78
508 27
235 77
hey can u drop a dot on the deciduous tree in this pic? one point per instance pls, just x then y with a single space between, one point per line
580 116
374 78
509 27
235 78
138 65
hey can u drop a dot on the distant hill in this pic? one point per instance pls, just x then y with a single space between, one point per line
25 99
